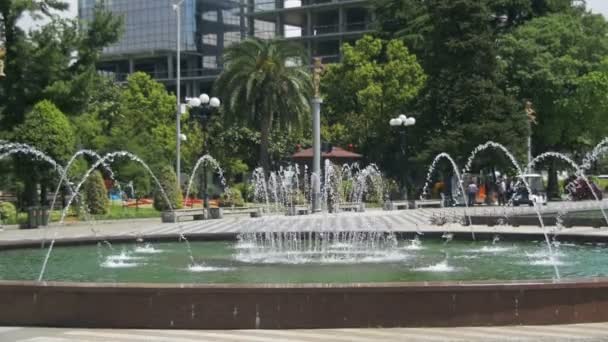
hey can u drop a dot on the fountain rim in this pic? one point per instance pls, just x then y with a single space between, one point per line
299 306
465 285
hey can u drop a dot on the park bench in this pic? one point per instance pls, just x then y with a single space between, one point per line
298 210
175 216
428 203
252 211
396 205
197 214
351 206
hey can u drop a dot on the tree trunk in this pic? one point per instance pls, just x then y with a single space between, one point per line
264 141
552 183
31 193
43 193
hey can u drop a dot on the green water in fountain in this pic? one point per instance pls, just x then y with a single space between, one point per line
229 262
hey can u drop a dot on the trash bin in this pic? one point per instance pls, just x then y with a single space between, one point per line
32 217
43 216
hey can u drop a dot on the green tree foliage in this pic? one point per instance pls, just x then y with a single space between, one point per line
168 181
264 86
56 62
50 131
462 104
374 83
96 194
558 63
144 123
410 19
8 212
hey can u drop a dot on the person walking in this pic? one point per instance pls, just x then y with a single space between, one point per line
472 192
502 191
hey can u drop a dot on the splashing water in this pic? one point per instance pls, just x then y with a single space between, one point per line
520 175
318 247
182 237
579 172
207 160
429 175
595 154
110 158
442 266
64 178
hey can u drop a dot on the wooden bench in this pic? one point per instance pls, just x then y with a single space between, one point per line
428 203
397 205
175 215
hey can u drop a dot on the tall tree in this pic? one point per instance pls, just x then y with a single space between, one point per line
145 124
555 62
558 63
375 82
266 82
11 94
49 130
56 62
463 105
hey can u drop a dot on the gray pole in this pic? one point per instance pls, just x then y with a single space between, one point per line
316 150
178 83
529 150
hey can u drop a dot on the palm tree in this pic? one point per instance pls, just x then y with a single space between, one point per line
267 83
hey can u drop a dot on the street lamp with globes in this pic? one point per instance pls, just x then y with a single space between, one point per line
202 109
402 122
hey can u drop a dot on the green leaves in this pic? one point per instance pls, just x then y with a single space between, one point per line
56 62
556 62
265 86
376 81
49 130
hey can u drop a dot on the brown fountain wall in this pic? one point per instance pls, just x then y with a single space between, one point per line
301 306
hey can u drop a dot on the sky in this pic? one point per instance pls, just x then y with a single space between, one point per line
597 6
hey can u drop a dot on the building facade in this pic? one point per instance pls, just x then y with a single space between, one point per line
149 40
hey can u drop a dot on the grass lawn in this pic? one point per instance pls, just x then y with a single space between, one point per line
115 212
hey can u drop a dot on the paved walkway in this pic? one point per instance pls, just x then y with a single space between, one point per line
582 332
399 221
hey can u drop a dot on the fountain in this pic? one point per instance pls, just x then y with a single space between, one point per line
334 269
432 168
206 160
109 158
69 165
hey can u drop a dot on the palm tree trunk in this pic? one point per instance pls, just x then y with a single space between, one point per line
264 141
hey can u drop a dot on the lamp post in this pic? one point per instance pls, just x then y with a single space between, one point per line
177 8
532 120
402 122
202 108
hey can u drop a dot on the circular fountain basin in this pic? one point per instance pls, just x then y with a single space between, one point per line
339 262
250 284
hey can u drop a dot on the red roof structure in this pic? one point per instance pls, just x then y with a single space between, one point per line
336 153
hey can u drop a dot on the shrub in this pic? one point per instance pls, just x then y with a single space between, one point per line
96 194
232 197
168 180
8 212
246 190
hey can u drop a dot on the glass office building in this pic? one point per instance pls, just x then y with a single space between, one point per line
321 25
149 40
